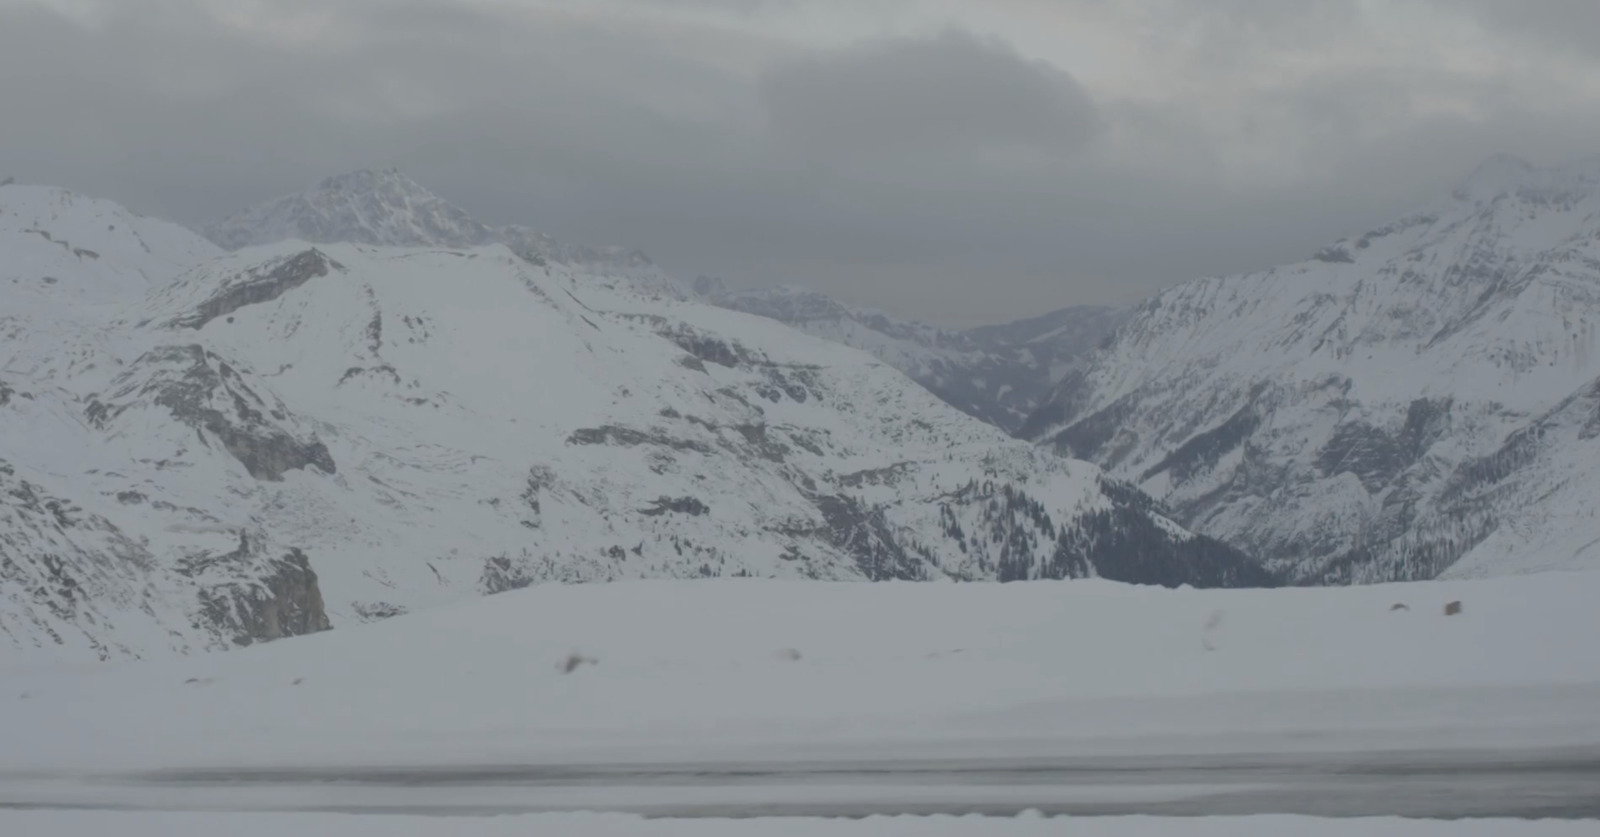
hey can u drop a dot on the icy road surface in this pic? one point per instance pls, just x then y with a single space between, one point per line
1527 784
123 824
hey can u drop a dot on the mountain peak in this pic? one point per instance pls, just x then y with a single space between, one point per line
1506 174
373 180
367 206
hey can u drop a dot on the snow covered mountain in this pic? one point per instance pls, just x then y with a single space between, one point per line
1001 373
1417 400
388 208
294 436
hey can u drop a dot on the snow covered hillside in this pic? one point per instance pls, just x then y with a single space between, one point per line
1417 400
294 436
1001 373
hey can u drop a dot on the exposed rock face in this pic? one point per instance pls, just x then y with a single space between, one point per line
262 284
280 600
71 579
1392 409
209 394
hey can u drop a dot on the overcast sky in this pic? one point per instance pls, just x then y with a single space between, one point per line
964 161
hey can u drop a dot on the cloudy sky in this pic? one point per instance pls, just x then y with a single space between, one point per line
965 161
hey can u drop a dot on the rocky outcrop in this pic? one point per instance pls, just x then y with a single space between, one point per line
210 395
261 284
280 600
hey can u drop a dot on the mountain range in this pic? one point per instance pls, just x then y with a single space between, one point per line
201 449
358 401
1000 374
1417 400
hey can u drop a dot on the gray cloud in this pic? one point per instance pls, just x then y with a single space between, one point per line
1567 24
953 94
947 174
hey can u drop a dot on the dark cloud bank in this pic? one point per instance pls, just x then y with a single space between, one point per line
945 174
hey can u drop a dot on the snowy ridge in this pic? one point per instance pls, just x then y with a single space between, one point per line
299 435
1333 416
1000 374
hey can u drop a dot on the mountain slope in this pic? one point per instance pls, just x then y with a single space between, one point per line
1000 374
1334 416
296 436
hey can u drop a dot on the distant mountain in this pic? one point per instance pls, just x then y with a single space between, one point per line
388 209
1415 400
294 436
1000 374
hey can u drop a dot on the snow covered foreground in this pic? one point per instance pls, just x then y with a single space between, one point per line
674 672
72 824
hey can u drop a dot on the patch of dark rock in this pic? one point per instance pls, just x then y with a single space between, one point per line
1334 255
501 574
628 437
377 611
1088 437
575 661
190 382
864 534
1205 450
262 284
706 347
888 475
284 601
384 369
691 506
